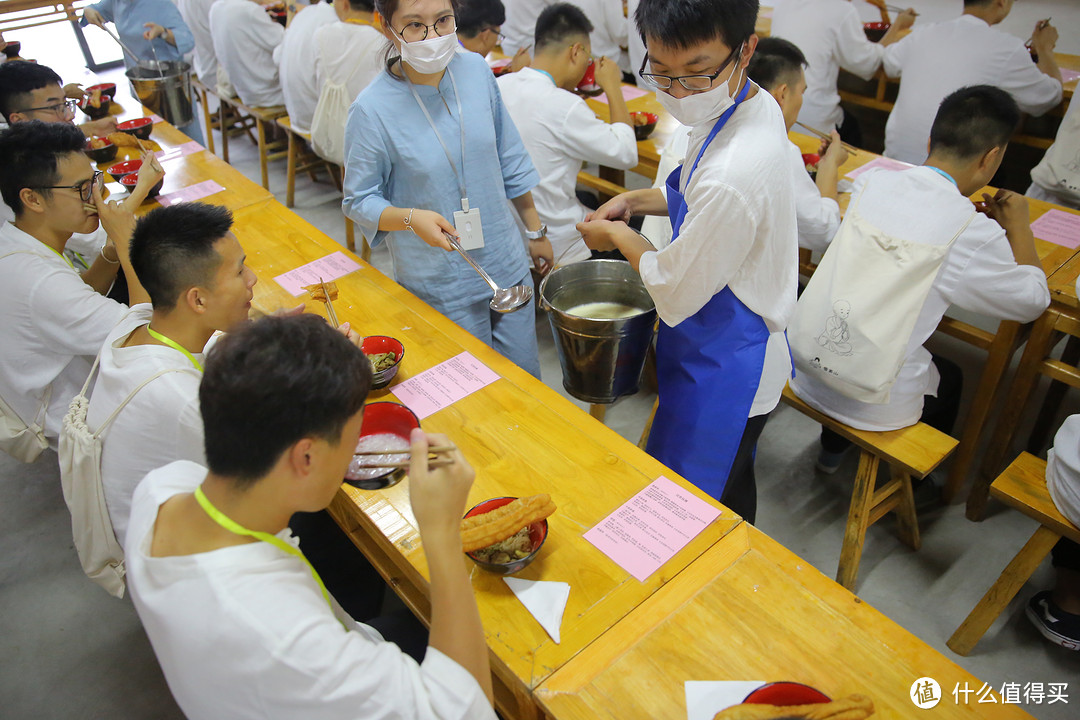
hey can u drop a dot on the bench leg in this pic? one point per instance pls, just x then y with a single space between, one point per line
907 521
598 411
862 499
224 130
260 128
365 251
1003 591
648 426
1045 424
350 234
290 171
204 101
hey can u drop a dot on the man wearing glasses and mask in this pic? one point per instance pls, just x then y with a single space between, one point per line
56 321
725 286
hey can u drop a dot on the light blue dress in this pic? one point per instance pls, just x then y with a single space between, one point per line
393 158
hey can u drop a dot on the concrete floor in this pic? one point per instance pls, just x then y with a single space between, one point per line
71 651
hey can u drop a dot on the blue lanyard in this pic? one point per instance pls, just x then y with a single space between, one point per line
943 174
548 74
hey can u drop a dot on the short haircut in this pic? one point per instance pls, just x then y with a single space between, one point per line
30 155
683 24
974 120
976 3
272 383
362 5
173 249
20 78
775 61
560 22
475 16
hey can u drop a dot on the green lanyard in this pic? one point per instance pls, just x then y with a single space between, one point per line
232 526
61 256
174 345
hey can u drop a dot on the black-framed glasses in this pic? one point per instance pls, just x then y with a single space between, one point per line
418 31
66 107
690 82
84 188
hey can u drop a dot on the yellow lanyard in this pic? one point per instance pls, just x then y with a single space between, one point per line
175 346
234 527
358 21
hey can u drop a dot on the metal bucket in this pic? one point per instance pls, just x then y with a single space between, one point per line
601 359
165 88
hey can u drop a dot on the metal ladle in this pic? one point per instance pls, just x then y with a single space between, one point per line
504 300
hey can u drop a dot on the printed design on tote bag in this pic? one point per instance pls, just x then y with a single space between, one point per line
836 338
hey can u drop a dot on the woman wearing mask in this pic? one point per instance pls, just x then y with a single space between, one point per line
431 149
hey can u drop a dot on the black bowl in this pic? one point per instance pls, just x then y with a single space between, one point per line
101 154
12 49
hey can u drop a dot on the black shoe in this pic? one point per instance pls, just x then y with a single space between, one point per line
927 493
1056 625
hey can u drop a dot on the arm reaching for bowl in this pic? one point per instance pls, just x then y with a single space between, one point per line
150 173
438 496
101 128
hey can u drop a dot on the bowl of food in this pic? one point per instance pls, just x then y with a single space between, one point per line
501 67
810 161
12 49
94 106
795 701
503 535
100 149
129 181
587 85
644 123
139 127
876 30
385 354
384 438
122 169
785 693
106 89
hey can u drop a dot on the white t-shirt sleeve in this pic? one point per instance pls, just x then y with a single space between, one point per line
895 55
1034 91
818 217
855 52
70 314
595 141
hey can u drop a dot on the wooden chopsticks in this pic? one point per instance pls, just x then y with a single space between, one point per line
330 314
432 462
825 136
432 449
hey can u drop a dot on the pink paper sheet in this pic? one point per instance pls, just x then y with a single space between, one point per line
629 92
881 162
648 529
329 267
1068 76
154 117
179 151
1058 227
191 193
444 384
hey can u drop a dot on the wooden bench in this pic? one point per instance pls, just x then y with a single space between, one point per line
911 452
1023 486
264 117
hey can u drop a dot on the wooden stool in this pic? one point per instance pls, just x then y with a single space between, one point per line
1023 486
231 121
337 172
300 159
909 452
262 116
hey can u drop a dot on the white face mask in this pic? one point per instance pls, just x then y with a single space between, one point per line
699 108
432 55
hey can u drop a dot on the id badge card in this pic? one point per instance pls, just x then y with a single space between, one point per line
468 226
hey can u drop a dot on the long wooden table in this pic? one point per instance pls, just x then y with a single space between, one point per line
999 345
748 609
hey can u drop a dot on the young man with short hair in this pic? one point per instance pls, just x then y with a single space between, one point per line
558 128
193 270
777 68
56 320
938 59
245 38
237 618
479 25
991 267
295 58
725 287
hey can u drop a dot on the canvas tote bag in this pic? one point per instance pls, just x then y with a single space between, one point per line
853 322
100 554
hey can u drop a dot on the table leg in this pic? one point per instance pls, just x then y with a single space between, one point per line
598 411
997 360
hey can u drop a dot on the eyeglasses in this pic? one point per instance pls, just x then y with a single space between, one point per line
418 31
67 107
84 188
690 82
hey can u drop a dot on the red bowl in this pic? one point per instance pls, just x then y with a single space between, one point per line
139 127
786 694
375 344
645 130
105 88
811 159
537 534
385 417
123 169
102 154
128 181
876 30
94 113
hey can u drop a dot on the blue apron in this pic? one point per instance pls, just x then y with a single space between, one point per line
708 369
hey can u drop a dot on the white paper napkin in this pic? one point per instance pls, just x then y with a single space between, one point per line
545 600
706 698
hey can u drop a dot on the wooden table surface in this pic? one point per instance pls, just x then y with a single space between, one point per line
522 438
748 609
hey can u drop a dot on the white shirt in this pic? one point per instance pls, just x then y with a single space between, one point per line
1058 173
196 14
54 325
348 56
560 132
818 217
244 632
1063 469
978 274
88 245
940 58
244 41
831 36
296 63
739 231
609 25
159 425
